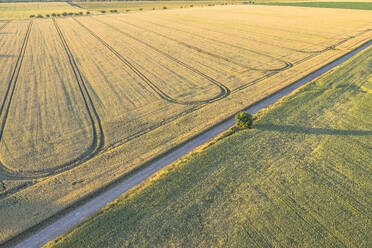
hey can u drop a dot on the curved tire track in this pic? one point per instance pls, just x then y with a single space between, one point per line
331 47
65 223
97 130
197 49
286 66
224 91
153 86
5 106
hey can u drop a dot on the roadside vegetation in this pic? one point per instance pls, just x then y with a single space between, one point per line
300 178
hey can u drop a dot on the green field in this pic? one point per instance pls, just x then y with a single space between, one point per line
333 5
300 178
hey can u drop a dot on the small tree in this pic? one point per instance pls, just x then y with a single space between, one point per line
103 11
165 7
54 14
244 120
47 15
140 9
32 16
64 13
39 16
88 13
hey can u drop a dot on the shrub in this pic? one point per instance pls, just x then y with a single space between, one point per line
103 11
32 16
127 10
140 9
244 120
88 13
191 6
165 7
54 14
71 13
64 13
113 11
39 16
77 14
153 8
80 13
181 7
58 14
47 15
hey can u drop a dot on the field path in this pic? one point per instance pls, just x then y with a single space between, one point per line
74 217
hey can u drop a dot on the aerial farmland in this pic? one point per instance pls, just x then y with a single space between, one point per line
93 97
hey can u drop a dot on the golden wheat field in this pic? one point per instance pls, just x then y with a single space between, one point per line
86 100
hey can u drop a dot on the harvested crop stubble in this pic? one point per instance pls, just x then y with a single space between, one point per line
104 94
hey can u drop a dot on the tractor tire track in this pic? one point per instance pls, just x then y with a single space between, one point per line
197 49
286 66
224 91
5 106
97 130
331 47
149 129
313 53
74 217
153 86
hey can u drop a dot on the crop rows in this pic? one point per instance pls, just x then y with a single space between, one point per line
113 81
97 143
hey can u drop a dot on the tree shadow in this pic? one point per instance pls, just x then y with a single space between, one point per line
309 130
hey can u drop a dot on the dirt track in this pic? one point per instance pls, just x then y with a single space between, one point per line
77 215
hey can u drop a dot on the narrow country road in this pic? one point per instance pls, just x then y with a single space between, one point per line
71 219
